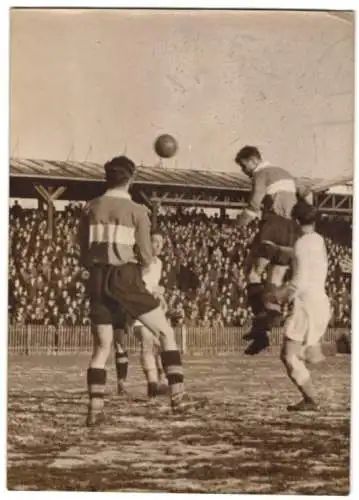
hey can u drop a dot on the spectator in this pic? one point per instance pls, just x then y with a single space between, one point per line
203 269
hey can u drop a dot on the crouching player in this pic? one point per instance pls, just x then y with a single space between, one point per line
150 346
311 309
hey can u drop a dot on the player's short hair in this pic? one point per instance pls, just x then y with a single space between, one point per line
157 231
119 171
305 213
246 153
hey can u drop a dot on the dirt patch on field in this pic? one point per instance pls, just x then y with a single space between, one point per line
244 441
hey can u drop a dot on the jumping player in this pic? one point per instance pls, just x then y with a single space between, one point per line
150 347
274 194
110 227
311 312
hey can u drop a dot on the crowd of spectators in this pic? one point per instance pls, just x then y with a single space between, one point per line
203 269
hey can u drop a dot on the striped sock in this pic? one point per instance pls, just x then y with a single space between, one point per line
96 383
172 365
160 370
121 366
152 389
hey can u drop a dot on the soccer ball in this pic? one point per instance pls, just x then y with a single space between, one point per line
166 146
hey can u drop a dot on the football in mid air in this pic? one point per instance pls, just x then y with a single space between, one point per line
166 146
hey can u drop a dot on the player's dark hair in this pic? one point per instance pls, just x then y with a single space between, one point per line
157 231
246 153
119 171
305 213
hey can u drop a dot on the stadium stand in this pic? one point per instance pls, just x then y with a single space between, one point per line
203 258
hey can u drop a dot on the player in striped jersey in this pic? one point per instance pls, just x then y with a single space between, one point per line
110 226
150 347
274 194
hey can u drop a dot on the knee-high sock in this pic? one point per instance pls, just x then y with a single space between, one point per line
96 383
121 359
173 368
148 362
160 370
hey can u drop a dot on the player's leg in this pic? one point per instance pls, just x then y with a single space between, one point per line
293 358
275 279
283 234
147 358
156 321
272 252
319 313
126 285
162 379
276 274
96 373
121 359
255 298
102 331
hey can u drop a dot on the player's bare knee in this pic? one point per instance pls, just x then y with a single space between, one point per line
254 276
289 360
277 274
103 336
289 357
147 342
157 322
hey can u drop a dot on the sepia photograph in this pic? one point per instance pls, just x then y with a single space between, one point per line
180 250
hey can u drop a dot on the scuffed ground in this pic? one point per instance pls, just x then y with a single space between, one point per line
244 441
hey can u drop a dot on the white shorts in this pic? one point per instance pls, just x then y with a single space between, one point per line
309 320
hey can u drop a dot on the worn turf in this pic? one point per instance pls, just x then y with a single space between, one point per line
244 441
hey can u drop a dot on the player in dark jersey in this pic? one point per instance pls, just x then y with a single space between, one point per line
109 228
274 194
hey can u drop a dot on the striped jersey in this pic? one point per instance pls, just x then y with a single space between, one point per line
110 226
273 190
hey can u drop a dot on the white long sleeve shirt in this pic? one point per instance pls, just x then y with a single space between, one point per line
310 266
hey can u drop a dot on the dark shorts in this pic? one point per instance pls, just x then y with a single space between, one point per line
275 239
118 295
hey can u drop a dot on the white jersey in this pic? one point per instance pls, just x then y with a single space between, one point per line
152 276
310 266
311 313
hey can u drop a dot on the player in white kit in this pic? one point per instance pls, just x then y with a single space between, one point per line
150 347
309 320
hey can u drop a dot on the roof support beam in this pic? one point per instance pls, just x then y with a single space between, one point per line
201 203
146 199
49 196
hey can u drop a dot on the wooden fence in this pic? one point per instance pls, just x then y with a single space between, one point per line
34 339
